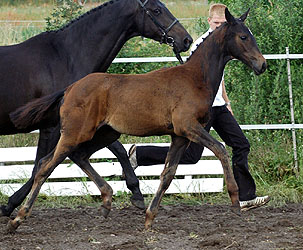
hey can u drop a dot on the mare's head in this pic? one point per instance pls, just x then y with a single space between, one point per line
241 43
155 21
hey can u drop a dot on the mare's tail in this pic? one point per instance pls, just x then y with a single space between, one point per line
40 113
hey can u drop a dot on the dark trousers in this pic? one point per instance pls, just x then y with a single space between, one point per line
230 132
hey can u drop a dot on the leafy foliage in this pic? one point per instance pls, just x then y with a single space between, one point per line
138 47
276 24
63 13
264 99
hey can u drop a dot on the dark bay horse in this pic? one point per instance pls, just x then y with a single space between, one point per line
174 101
51 61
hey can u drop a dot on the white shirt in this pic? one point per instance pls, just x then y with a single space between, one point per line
218 101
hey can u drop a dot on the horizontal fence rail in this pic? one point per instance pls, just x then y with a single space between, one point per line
67 178
244 127
292 126
174 59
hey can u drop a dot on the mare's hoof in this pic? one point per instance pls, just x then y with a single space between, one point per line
3 211
236 209
123 177
4 220
11 228
105 211
137 203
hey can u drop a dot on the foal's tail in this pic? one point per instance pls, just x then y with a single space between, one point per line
40 113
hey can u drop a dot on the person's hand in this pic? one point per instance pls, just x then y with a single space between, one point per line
228 106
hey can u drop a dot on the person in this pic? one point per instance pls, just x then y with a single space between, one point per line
224 123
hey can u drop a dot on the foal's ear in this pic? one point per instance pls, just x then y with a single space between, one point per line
244 16
229 18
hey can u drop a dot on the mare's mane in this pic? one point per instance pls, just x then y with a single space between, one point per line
86 14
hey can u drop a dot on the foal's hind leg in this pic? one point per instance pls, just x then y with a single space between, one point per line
46 167
175 152
81 155
48 139
102 138
105 189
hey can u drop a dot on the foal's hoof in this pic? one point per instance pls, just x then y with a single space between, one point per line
105 211
137 203
11 228
149 218
236 209
148 224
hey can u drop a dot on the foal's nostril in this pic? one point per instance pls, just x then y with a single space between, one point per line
264 67
187 42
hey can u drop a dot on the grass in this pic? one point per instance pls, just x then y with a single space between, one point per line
26 11
19 140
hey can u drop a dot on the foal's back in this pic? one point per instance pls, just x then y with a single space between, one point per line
142 104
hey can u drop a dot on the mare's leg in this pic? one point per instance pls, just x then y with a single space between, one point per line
175 152
48 138
132 181
46 167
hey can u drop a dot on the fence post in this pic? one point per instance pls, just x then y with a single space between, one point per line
292 111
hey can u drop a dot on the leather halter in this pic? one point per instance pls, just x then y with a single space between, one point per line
165 38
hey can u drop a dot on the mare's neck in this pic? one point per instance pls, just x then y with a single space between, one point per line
93 41
209 60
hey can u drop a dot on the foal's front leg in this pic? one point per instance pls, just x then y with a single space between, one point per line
175 152
199 135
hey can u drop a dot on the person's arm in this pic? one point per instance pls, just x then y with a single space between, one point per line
226 99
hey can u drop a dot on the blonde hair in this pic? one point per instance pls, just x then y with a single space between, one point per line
217 9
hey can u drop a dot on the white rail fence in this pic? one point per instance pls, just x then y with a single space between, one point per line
291 126
18 162
69 180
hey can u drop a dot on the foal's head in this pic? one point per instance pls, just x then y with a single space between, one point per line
155 21
241 43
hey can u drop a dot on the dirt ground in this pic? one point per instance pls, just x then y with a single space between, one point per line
176 227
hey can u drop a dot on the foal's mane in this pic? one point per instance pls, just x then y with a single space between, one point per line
86 14
204 39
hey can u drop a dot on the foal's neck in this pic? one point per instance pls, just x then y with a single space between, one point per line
209 60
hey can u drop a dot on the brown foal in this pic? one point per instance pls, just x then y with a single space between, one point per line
174 101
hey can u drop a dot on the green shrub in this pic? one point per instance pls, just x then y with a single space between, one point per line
63 13
264 99
136 47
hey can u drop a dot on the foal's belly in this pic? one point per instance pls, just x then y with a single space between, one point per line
140 127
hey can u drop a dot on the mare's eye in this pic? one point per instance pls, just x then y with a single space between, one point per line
243 37
157 12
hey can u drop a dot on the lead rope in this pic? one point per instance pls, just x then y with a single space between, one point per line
178 56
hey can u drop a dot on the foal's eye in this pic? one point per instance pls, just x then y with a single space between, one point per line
243 37
157 12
